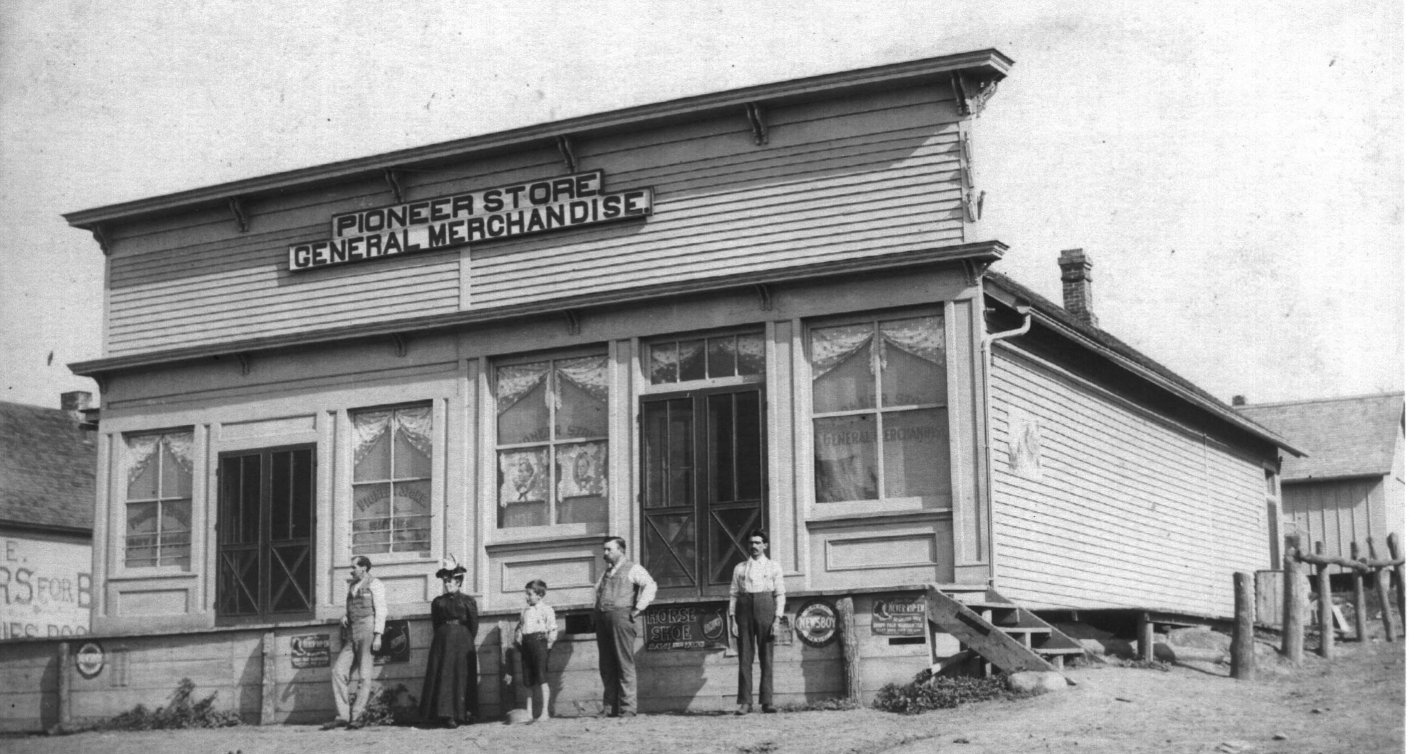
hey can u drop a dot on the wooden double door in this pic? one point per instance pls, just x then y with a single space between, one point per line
702 486
265 526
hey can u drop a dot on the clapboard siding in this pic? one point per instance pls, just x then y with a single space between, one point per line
878 173
1127 511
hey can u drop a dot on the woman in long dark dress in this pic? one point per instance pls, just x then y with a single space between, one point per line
451 681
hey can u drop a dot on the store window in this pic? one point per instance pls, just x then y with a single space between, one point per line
159 500
879 411
551 445
393 479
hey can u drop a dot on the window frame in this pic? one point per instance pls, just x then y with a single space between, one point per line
350 484
647 363
882 503
157 567
493 448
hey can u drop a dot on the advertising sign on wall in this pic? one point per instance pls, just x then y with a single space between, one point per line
901 616
45 588
394 643
687 627
817 623
310 651
490 214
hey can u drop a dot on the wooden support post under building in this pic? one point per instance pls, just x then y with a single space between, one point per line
1396 552
1323 608
1243 630
66 686
507 668
1145 637
847 636
268 678
1293 634
1362 629
1382 589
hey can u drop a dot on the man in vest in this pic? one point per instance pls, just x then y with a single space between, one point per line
756 602
361 627
622 594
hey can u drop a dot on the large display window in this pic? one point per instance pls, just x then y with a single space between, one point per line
158 529
393 479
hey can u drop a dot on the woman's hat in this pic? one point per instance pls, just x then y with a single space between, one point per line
450 569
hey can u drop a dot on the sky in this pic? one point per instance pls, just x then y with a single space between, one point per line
1234 170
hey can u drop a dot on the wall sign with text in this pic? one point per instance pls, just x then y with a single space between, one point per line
476 217
687 627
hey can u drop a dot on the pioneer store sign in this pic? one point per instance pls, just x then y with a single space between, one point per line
484 215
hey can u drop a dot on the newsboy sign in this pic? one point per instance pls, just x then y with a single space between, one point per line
484 215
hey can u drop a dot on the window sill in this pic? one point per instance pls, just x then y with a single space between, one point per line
910 515
545 536
153 572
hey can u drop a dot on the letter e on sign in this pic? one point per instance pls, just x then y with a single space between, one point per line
89 660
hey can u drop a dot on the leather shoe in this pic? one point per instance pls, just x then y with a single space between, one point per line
333 724
743 710
769 709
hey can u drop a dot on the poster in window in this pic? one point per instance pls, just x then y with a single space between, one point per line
523 475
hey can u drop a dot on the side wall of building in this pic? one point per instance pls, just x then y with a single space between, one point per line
1337 512
1098 503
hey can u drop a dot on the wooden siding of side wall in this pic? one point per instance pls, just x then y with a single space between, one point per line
872 175
1127 510
1336 513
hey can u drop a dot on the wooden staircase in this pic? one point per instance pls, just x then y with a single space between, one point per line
995 634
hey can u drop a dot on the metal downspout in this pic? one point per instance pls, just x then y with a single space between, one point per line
986 457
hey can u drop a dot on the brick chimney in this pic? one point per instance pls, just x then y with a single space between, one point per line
1239 400
1074 270
75 402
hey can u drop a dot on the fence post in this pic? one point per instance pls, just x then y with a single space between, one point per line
1243 646
1293 634
1382 588
847 636
1327 623
1362 628
66 686
1396 551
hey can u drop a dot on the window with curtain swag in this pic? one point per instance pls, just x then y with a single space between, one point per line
393 480
551 445
879 411
159 500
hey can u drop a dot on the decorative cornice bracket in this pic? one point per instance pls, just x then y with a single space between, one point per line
395 180
101 236
756 123
766 296
573 318
244 359
970 94
564 145
401 343
975 270
243 222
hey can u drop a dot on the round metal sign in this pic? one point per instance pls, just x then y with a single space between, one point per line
817 623
89 660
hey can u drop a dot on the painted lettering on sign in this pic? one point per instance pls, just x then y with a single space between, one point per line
686 627
486 215
42 591
899 617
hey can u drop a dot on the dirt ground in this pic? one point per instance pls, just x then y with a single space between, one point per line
1354 703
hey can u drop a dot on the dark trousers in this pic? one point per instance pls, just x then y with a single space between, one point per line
615 645
754 617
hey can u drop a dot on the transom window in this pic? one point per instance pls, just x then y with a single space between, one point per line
159 500
393 479
689 359
551 444
879 410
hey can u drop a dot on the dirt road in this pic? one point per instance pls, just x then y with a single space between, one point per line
1352 704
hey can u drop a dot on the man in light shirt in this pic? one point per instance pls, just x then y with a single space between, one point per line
756 601
622 594
361 627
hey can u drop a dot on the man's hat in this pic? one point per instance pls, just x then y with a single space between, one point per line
450 569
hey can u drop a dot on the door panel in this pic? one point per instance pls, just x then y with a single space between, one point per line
702 484
265 520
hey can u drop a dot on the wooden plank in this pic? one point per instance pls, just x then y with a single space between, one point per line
980 636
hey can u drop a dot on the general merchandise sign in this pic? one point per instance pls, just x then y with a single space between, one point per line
475 217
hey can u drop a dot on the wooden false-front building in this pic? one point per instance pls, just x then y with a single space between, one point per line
766 307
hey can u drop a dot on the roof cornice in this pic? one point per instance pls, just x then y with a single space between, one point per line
988 65
984 251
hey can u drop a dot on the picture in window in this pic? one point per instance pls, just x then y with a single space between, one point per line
159 500
552 442
393 480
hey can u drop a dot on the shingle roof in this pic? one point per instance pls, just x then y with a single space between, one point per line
46 468
1344 436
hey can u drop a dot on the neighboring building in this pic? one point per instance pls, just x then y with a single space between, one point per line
46 519
767 307
1351 486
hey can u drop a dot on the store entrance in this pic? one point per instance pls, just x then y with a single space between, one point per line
265 517
702 485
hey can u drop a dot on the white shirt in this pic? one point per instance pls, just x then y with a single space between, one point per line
758 575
